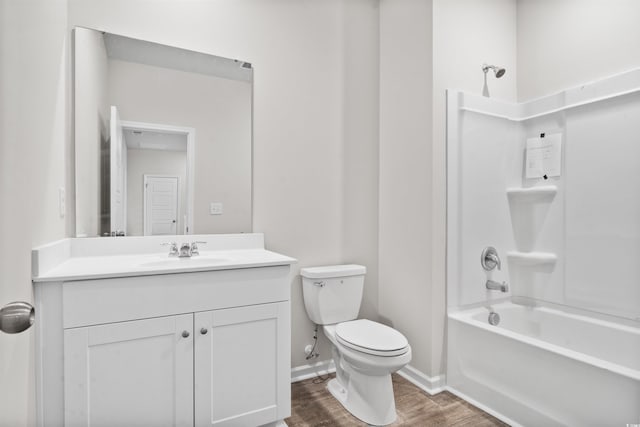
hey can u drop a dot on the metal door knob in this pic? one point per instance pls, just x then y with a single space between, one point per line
16 317
203 331
185 334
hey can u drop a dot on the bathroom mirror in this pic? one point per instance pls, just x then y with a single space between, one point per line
163 139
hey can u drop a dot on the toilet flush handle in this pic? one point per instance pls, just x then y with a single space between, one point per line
319 283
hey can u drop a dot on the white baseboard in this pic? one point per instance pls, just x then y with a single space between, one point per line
432 385
304 372
485 408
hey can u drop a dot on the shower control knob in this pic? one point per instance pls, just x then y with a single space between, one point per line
203 331
185 334
489 258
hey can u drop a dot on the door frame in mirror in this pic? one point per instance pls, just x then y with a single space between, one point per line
191 142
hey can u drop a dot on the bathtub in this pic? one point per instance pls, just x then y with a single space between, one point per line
546 366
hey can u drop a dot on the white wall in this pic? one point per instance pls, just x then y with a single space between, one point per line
360 150
219 110
302 53
564 43
91 127
34 156
406 173
466 34
153 162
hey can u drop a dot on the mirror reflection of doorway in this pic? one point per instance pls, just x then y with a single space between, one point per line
160 205
158 178
181 91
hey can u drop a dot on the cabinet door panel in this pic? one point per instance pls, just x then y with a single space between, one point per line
137 373
240 365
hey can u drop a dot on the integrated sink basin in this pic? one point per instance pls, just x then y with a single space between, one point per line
184 262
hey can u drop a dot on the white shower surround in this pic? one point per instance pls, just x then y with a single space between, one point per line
557 248
486 140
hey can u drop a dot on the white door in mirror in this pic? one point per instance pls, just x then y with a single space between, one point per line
160 205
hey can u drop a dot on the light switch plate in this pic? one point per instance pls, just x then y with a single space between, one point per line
215 208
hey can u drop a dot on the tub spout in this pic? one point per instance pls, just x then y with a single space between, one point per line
492 285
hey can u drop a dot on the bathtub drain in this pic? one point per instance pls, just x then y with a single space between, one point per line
494 318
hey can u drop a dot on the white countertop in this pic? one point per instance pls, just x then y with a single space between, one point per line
61 261
101 267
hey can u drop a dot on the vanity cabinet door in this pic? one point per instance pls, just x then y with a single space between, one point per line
242 365
137 373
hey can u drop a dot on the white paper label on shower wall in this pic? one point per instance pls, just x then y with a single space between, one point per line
544 156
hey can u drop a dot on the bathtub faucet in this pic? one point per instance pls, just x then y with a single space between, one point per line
492 285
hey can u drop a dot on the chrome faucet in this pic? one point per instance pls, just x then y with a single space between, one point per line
194 248
492 285
186 250
489 260
173 248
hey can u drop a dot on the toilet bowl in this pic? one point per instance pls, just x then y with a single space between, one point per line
363 374
365 353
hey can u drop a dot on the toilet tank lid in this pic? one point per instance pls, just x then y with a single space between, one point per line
333 271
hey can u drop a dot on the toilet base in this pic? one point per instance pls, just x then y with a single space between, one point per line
368 398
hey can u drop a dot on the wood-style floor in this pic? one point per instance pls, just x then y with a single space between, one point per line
313 405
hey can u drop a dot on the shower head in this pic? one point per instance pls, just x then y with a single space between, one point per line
498 71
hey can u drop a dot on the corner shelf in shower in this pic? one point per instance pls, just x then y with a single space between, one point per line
532 258
532 194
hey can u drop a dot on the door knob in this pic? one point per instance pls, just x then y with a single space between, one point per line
185 334
203 331
16 317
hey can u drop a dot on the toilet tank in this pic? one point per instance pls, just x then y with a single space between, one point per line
332 294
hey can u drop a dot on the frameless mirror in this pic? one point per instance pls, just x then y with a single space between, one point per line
163 139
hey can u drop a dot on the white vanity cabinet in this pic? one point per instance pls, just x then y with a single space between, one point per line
130 373
251 340
195 348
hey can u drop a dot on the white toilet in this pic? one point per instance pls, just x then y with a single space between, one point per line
366 353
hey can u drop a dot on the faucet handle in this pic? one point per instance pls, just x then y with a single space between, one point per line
489 258
173 248
194 247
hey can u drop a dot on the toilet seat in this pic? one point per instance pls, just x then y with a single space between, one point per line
371 338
